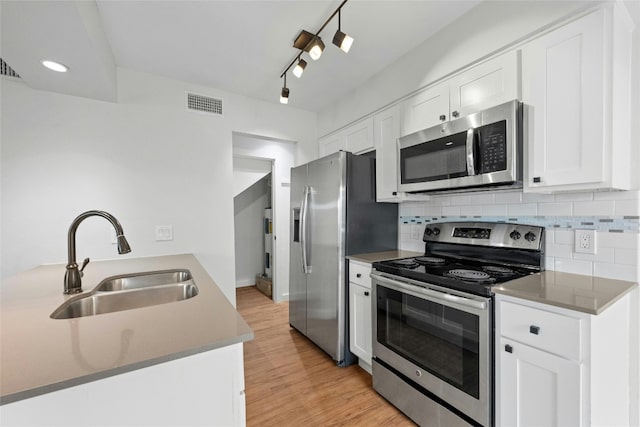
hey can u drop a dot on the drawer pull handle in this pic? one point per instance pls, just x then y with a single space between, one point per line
358 275
366 293
508 348
535 330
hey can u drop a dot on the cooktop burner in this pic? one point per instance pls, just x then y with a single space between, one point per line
498 271
429 260
406 262
471 275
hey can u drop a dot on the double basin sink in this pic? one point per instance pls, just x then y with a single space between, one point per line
126 292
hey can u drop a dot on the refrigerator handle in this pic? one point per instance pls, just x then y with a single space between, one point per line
303 229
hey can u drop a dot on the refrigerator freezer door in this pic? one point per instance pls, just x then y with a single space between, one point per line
325 283
297 277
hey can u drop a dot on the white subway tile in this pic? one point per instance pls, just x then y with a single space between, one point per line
470 210
617 195
615 271
618 240
594 208
486 198
525 209
451 210
601 255
559 251
549 263
549 236
627 256
573 197
441 200
565 237
494 210
509 197
404 209
537 197
432 211
574 266
627 207
459 200
555 209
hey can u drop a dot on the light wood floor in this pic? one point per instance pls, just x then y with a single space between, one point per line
291 382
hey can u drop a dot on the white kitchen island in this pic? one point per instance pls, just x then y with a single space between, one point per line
178 363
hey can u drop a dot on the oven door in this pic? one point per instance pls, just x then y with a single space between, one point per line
438 338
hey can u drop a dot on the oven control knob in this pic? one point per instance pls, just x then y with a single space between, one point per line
427 231
530 237
515 235
436 231
418 373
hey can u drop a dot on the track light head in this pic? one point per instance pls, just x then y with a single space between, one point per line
315 48
299 68
343 41
284 95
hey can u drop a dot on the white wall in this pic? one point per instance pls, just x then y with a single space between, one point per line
283 153
248 209
146 159
247 171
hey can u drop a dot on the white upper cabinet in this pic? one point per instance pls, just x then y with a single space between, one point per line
386 128
357 138
425 109
484 85
576 96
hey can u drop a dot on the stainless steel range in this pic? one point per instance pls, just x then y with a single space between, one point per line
433 319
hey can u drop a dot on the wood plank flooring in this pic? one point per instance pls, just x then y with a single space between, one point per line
291 382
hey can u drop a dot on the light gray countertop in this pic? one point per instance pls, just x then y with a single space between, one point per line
41 355
382 256
587 294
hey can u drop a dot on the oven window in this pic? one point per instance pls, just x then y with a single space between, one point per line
439 339
435 160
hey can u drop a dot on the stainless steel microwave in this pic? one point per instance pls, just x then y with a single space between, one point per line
480 151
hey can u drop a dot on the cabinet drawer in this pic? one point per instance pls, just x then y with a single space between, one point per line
359 273
552 332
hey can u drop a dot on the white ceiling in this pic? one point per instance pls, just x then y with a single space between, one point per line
237 46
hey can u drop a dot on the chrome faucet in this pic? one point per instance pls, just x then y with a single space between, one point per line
73 276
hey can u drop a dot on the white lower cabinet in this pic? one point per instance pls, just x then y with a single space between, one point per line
360 311
560 367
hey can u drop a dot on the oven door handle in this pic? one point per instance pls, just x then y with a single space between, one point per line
440 296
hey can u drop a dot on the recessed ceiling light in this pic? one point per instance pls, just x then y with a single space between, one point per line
55 66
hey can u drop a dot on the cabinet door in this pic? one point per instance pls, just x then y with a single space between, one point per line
330 144
360 321
563 89
537 388
485 85
425 109
359 137
386 127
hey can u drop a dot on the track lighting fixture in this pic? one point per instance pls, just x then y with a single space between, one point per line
342 40
284 94
299 68
312 44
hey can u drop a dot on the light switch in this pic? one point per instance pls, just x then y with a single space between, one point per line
164 233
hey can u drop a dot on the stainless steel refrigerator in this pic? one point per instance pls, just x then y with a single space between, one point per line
333 215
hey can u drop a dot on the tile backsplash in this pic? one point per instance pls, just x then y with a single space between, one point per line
614 215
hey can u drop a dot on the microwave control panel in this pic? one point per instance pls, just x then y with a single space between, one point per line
492 140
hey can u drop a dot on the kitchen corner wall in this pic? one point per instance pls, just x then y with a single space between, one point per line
615 216
146 159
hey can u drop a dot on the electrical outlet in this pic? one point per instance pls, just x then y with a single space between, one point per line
164 233
585 241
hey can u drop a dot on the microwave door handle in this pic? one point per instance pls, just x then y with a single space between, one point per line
471 170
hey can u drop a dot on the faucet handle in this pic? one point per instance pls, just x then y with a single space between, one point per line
84 264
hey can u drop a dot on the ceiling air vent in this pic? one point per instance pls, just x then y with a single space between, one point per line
5 70
204 103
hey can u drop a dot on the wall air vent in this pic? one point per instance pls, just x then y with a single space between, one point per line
5 70
204 104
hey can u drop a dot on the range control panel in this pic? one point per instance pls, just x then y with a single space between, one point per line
517 236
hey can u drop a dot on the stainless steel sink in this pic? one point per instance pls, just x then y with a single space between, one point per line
127 292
